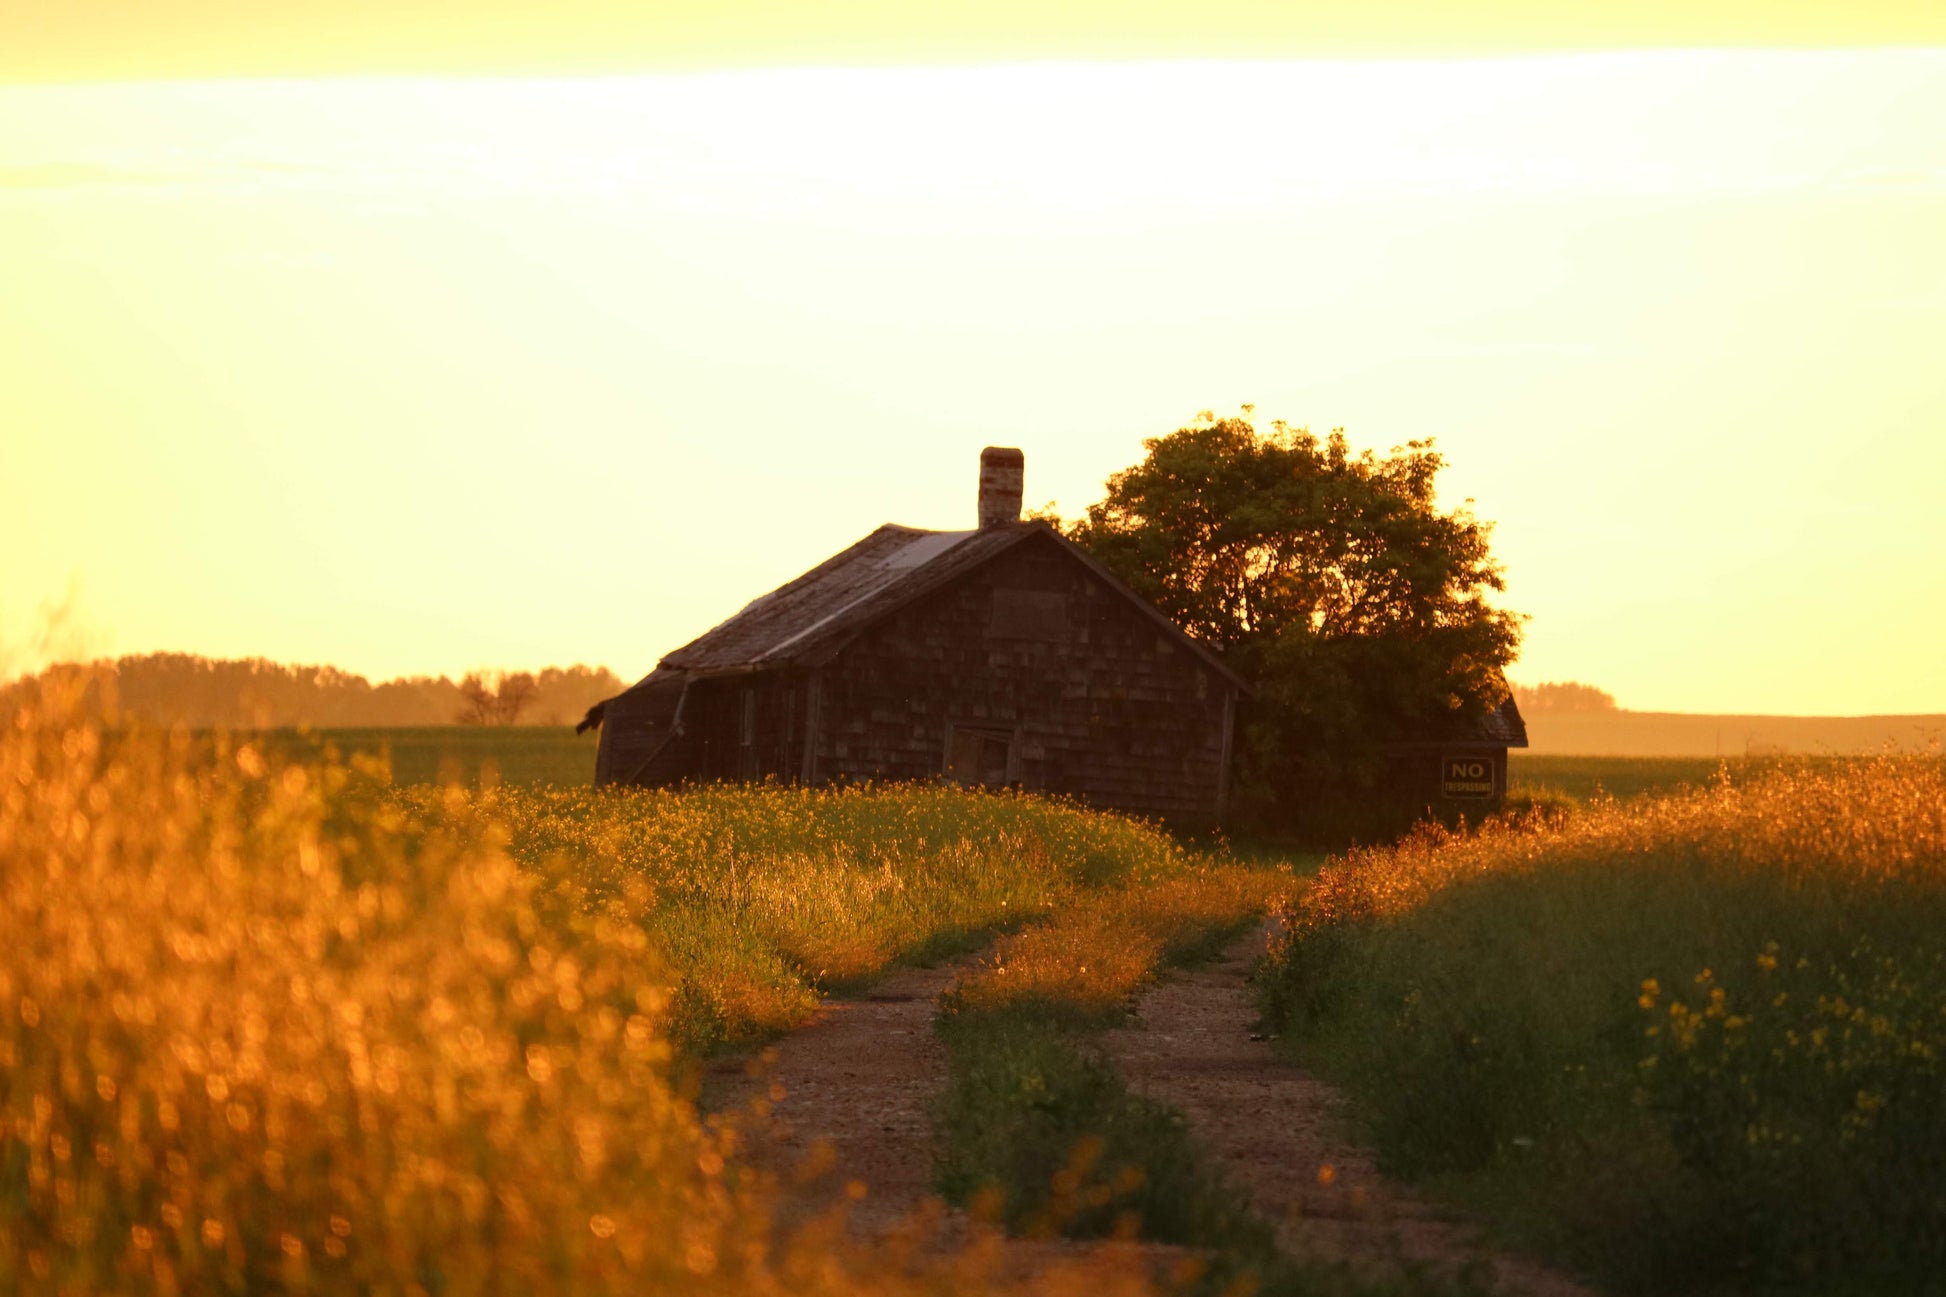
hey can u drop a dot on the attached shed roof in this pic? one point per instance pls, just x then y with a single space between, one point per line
1497 727
1505 724
807 620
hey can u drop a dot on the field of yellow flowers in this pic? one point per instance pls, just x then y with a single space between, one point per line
760 898
274 1026
1692 1043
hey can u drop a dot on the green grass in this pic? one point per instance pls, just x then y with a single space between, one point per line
518 755
1037 1130
764 897
1690 1044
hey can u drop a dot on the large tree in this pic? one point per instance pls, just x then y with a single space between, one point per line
1330 578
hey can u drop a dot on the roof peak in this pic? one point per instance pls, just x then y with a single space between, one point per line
807 619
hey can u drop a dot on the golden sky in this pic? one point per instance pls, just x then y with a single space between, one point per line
129 39
420 372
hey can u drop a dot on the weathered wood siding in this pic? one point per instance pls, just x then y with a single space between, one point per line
635 730
740 727
1094 698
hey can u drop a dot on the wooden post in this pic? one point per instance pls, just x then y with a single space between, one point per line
813 698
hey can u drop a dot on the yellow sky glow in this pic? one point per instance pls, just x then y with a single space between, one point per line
66 40
414 374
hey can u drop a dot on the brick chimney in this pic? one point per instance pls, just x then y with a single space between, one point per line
1001 471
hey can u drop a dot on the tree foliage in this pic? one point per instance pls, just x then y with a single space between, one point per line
1563 696
1329 577
495 700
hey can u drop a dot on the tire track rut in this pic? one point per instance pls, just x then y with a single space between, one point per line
1272 1130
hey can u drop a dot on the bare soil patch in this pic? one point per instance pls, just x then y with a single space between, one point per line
1274 1133
846 1096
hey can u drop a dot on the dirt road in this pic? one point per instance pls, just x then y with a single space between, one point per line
847 1103
1273 1131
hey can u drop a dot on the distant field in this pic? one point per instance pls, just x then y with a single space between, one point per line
522 756
1683 734
1583 777
1626 777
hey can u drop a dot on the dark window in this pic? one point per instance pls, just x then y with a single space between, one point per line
1030 614
980 758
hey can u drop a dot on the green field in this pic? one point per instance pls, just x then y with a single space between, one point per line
1626 777
521 756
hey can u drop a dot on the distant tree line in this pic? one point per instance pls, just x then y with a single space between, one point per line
1551 697
253 693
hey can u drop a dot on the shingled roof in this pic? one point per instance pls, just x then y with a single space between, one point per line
806 621
1497 727
1504 725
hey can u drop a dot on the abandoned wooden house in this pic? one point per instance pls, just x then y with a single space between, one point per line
1001 656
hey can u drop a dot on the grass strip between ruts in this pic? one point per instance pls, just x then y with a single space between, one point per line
1039 1132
